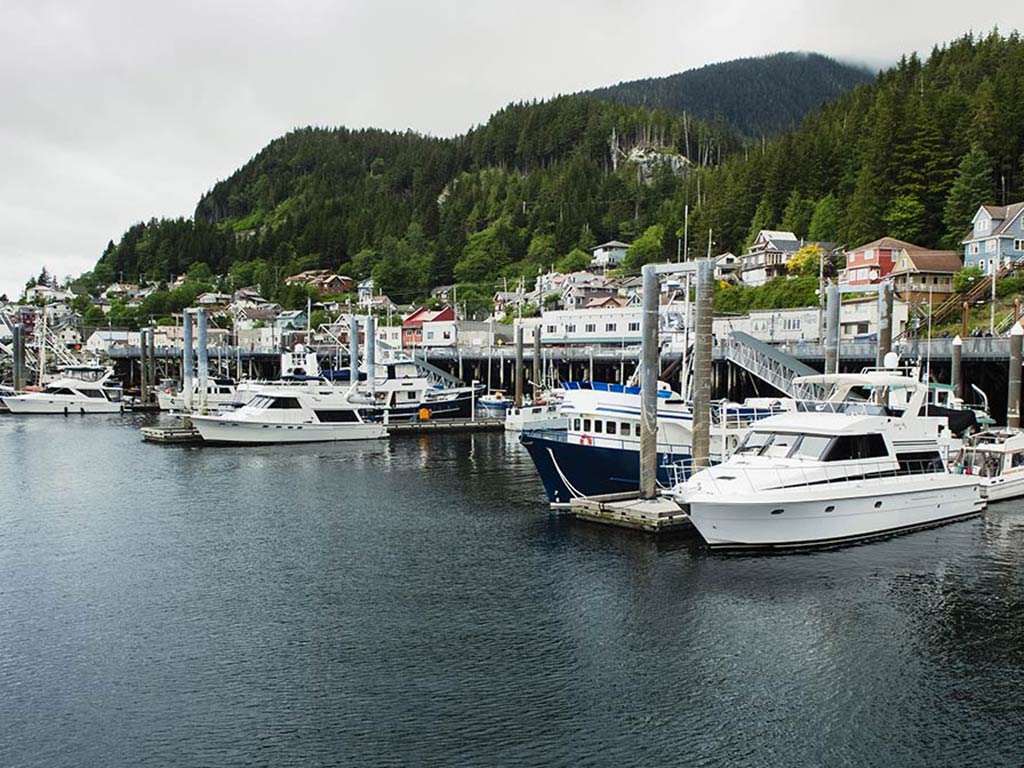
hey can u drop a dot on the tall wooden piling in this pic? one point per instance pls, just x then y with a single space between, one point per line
884 322
203 359
1013 392
703 365
832 309
649 355
18 374
519 366
143 366
957 373
187 364
537 375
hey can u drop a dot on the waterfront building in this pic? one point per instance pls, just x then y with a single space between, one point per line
868 264
921 274
608 254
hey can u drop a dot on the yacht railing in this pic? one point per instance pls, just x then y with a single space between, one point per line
771 478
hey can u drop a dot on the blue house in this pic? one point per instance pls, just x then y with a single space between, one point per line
997 237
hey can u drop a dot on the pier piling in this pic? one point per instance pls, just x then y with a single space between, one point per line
1013 392
884 322
832 309
143 366
649 364
537 376
18 373
186 359
702 365
956 371
203 355
519 367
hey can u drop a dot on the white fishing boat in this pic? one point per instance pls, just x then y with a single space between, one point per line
996 458
283 414
495 402
831 473
77 389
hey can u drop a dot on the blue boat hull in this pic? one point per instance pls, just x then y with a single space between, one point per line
589 470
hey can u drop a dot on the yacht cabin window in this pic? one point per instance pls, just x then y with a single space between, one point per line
598 425
611 428
636 429
625 428
92 393
586 425
856 447
1018 460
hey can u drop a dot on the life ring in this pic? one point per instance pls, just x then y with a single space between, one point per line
586 440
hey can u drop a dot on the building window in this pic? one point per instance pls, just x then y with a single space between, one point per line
590 328
447 334
634 326
571 328
990 246
1018 245
551 329
975 248
609 327
430 334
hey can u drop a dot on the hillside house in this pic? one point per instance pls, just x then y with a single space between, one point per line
769 256
608 254
996 238
921 274
868 264
728 267
441 321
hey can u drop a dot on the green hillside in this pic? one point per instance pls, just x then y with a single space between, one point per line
910 155
757 96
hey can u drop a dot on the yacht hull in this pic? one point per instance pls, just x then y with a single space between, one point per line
826 516
569 470
1003 487
42 404
215 429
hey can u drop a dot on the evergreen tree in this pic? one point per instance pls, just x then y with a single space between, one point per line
825 220
971 189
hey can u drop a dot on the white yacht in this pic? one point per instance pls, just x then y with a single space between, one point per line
831 473
285 414
77 389
996 458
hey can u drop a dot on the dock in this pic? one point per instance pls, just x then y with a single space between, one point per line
426 426
172 435
628 510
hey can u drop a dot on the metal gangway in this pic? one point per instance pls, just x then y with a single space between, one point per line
765 361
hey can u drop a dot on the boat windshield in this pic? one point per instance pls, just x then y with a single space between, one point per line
784 445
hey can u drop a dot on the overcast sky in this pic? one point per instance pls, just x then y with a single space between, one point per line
115 112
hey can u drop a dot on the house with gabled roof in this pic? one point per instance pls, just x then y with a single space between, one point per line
608 254
996 237
413 325
868 264
769 256
920 274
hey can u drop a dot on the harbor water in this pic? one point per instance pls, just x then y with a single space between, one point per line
413 602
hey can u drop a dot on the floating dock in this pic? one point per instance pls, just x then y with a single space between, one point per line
628 510
487 424
172 435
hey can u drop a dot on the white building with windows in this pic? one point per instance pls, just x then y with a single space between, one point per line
608 254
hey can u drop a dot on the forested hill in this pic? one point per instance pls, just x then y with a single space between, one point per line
911 155
756 96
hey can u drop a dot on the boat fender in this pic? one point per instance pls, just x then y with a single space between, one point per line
586 440
81 409
65 410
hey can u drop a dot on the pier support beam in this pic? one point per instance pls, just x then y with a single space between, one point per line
203 358
519 367
537 375
371 354
353 351
144 366
649 354
702 365
1013 392
187 364
956 374
18 374
832 309
884 322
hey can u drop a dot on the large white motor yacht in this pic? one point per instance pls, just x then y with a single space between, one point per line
996 458
284 414
830 473
219 392
78 389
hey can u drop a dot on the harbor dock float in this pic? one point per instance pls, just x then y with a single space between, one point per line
628 510
485 424
172 435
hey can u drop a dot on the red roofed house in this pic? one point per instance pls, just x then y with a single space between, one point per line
412 326
870 263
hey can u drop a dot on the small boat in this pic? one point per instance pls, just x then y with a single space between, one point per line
285 414
832 473
78 389
495 402
996 458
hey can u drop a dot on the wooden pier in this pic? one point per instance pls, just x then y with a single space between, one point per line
180 435
628 510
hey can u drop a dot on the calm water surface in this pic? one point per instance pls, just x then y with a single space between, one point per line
413 603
